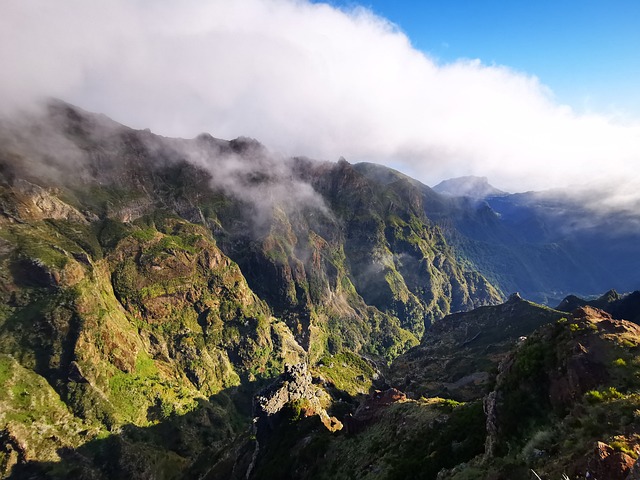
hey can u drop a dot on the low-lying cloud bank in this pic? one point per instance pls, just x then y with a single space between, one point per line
305 79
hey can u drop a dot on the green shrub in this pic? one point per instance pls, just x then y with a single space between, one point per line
449 405
619 362
295 410
144 235
599 396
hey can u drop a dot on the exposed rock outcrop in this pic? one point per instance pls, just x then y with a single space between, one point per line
294 385
12 452
605 462
36 203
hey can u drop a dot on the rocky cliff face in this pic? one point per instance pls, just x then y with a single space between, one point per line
109 324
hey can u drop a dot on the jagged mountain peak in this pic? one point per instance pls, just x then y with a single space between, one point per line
609 296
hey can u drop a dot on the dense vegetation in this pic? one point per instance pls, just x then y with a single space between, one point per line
151 287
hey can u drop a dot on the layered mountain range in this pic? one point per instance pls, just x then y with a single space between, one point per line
151 287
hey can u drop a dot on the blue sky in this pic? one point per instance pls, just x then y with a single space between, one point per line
587 52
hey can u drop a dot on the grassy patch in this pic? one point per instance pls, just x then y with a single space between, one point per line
348 372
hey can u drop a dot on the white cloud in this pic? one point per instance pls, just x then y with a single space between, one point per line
305 79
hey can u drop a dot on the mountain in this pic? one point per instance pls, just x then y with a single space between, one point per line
459 356
195 308
546 245
620 307
469 186
561 402
604 238
149 287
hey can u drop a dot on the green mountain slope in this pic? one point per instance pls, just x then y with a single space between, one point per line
567 387
150 286
154 290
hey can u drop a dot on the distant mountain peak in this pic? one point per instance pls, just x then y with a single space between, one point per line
469 186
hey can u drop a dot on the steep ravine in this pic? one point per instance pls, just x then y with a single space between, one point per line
146 297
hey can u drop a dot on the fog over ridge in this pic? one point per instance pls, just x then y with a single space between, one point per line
307 79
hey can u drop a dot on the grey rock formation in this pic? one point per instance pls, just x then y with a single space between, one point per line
294 384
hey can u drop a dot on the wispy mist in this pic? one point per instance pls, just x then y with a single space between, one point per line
306 79
71 147
253 175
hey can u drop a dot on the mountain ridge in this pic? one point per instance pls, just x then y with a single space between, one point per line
161 282
150 287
